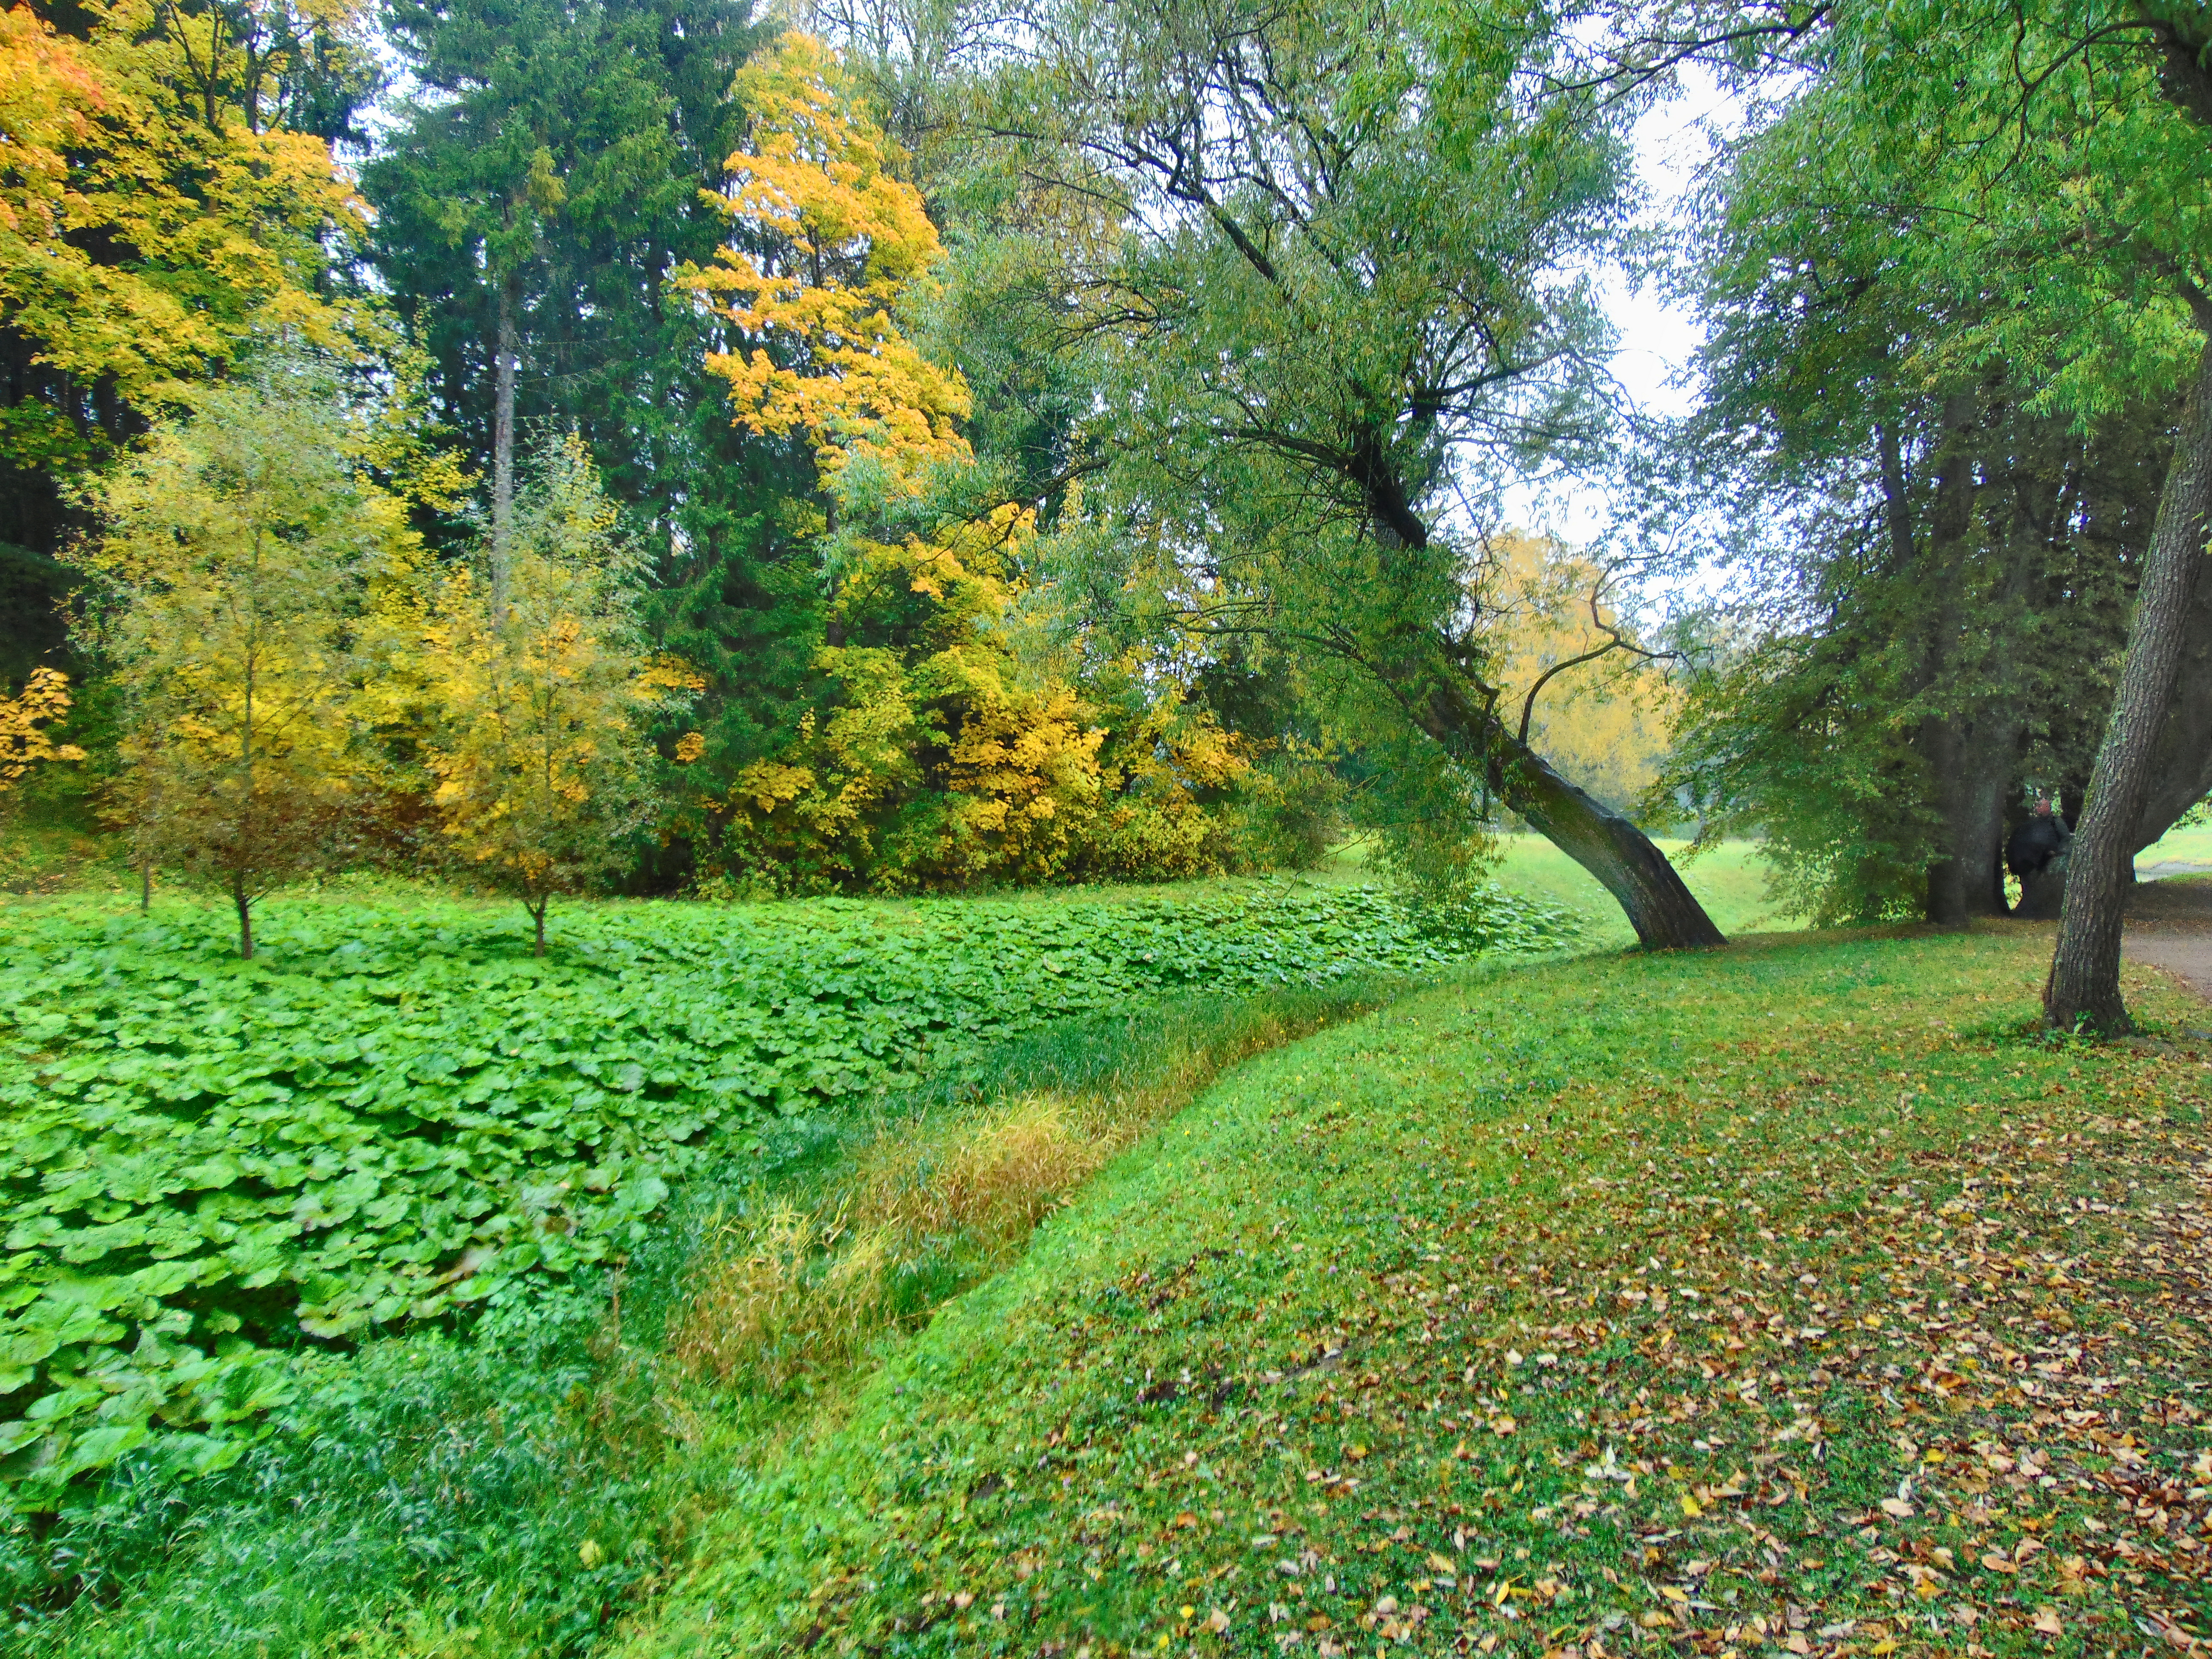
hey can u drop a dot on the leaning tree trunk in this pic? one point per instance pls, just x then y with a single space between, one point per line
1660 906
2084 989
2181 768
1665 913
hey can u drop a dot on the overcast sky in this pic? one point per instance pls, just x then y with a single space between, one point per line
1657 339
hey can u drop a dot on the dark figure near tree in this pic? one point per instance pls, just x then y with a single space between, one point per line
2037 855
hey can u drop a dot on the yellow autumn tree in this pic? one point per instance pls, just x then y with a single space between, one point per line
1602 712
157 216
231 575
537 695
943 760
833 243
27 723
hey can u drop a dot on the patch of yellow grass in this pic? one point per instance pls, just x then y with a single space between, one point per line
789 1293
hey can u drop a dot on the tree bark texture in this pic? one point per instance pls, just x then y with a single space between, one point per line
2084 987
1659 905
1972 770
507 349
1963 881
2181 767
1665 913
244 919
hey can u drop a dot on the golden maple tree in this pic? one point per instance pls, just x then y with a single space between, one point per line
27 723
956 749
157 217
834 242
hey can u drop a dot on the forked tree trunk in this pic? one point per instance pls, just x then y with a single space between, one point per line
1660 906
2084 987
538 915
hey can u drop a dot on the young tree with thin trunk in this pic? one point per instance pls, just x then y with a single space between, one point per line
538 703
231 573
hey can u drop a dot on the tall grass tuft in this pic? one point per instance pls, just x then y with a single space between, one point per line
933 1204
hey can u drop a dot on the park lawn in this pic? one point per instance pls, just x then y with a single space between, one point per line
1728 879
2190 846
1804 1298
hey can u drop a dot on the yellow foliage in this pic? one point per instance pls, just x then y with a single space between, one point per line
230 574
536 706
1606 724
830 243
24 738
945 760
222 223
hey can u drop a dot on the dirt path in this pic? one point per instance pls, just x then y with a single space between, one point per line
2169 927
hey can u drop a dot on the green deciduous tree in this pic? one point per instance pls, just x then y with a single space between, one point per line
1938 561
2047 161
1337 283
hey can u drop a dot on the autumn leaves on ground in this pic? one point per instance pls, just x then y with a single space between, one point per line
1807 1301
1806 1298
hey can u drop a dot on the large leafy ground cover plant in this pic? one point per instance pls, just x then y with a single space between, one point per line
393 1116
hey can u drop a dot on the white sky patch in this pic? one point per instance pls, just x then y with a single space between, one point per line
1672 142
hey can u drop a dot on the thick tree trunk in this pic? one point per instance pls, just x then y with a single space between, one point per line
1962 882
2181 767
2084 989
1972 770
502 448
244 919
1665 913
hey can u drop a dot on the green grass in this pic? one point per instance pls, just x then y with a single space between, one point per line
1798 1297
1728 880
394 1113
1802 1294
514 1492
2191 846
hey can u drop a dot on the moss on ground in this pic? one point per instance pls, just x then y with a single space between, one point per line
1804 1298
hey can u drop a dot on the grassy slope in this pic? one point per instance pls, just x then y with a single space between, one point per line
2180 846
511 1493
1798 1296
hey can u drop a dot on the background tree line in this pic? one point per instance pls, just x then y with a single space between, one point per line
1068 441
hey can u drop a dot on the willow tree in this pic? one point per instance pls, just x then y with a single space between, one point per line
1338 281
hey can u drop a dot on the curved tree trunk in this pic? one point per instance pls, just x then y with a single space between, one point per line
1660 906
1665 913
2084 989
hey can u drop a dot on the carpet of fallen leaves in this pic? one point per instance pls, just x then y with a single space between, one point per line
1807 1300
